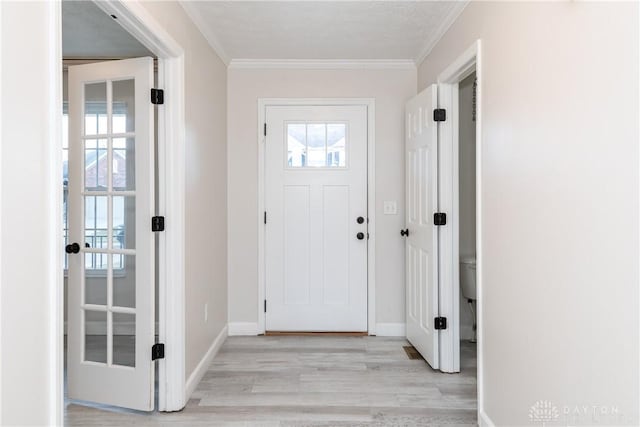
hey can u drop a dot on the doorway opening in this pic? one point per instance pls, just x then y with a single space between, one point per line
106 179
460 245
443 219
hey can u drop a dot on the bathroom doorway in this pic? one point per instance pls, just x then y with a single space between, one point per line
467 103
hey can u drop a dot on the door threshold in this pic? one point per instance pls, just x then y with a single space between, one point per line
315 334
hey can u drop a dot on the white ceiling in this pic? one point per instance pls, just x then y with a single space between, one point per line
88 32
319 30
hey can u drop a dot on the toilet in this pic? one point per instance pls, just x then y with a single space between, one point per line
468 285
468 276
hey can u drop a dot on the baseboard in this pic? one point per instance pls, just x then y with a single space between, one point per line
390 329
243 328
205 362
100 328
484 420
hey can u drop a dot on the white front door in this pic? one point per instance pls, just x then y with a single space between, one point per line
110 250
421 154
316 218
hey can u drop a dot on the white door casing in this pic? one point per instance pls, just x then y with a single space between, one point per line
315 264
421 158
110 376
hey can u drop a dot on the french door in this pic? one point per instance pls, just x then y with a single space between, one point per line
316 218
421 157
111 247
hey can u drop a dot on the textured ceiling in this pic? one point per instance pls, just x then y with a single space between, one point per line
88 32
356 30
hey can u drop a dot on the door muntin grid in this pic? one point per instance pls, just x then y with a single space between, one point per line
109 210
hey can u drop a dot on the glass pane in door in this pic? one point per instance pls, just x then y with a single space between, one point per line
123 106
96 163
95 108
124 339
95 279
124 161
95 336
124 222
124 281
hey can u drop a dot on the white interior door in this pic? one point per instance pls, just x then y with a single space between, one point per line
110 250
421 154
316 218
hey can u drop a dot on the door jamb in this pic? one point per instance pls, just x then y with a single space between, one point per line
136 20
371 194
470 60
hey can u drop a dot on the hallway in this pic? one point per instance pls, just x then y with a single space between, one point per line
315 381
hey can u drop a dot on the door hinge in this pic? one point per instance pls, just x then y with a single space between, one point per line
440 323
157 223
157 96
439 115
440 218
265 306
157 351
265 129
265 217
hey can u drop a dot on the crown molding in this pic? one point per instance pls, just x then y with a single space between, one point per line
323 64
447 22
211 38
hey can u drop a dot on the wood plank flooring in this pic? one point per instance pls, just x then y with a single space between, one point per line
314 381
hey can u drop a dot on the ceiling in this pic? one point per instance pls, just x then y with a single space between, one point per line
279 30
88 32
323 30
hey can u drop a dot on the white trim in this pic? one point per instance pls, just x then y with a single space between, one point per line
243 329
484 420
204 28
205 362
100 328
136 20
56 416
456 9
470 60
54 220
323 64
391 329
371 196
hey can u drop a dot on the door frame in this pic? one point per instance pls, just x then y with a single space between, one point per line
369 103
448 192
136 20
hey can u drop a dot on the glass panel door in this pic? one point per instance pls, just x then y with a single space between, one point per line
111 263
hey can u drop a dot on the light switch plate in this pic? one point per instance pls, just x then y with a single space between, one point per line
390 208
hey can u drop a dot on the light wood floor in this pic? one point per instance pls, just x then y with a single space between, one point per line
314 381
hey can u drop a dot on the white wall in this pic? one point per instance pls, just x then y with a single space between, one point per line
467 188
206 182
391 89
559 204
29 214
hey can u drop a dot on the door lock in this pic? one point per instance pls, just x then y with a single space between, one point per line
360 220
360 236
404 232
72 248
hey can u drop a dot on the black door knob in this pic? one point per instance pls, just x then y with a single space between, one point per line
360 236
360 220
404 232
72 248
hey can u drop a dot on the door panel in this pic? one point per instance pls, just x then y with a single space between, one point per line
315 189
421 154
110 204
